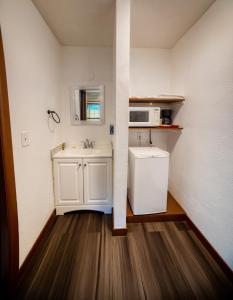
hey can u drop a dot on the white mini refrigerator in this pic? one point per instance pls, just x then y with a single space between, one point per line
148 180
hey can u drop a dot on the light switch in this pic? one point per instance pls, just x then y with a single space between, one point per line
111 129
25 139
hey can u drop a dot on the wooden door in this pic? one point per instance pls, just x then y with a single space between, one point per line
9 246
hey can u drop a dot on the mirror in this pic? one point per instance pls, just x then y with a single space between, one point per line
87 105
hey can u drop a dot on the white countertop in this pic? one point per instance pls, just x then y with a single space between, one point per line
83 153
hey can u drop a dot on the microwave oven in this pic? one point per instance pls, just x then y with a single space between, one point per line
144 116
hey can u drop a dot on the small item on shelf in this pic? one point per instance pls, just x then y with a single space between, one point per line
166 116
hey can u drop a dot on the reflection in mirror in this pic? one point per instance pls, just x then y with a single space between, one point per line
87 105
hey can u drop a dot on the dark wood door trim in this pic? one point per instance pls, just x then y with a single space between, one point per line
9 251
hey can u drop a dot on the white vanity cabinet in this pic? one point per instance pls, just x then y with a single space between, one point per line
83 183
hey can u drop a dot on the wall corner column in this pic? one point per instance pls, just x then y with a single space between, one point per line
121 95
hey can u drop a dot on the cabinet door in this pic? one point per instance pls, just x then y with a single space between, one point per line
68 182
97 180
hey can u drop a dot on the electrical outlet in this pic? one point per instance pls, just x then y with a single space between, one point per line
139 136
139 139
25 139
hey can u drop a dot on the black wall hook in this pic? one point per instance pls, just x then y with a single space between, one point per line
52 113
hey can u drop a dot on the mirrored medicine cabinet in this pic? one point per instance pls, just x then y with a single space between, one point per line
87 105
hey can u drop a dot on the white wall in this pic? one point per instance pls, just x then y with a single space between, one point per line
32 58
150 75
121 99
83 65
201 170
141 138
150 71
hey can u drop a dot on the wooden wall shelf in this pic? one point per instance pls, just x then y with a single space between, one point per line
156 128
161 99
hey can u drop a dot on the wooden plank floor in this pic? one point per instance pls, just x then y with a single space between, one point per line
174 213
80 259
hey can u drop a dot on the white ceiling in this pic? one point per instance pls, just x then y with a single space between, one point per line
161 23
154 23
79 22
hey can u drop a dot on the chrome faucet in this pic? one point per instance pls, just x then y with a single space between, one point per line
88 144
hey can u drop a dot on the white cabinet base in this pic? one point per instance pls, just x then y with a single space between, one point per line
61 210
83 184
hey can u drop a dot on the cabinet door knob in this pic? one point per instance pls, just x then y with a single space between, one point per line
79 165
85 165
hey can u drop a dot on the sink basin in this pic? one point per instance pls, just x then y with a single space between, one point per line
90 151
84 153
